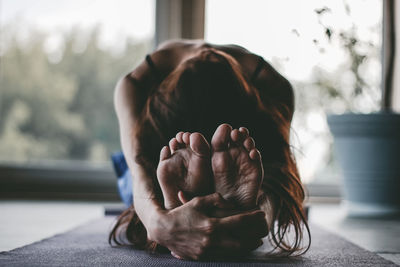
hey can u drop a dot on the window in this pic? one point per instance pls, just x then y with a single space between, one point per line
56 79
60 61
330 52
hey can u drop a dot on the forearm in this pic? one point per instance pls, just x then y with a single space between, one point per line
128 106
147 205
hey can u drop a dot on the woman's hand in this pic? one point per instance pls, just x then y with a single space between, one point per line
190 233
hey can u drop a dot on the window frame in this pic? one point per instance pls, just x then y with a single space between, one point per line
66 180
174 19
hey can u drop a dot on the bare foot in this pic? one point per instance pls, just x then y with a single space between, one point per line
237 167
185 166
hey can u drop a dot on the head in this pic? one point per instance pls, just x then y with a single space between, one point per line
210 89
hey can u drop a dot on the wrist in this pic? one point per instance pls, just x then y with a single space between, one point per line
148 210
154 223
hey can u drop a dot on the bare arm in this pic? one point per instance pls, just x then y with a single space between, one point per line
130 96
129 101
187 230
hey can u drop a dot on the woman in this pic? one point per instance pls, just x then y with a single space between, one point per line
195 199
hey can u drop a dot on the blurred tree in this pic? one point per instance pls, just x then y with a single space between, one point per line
61 109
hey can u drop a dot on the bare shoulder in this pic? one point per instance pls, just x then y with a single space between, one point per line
246 59
232 49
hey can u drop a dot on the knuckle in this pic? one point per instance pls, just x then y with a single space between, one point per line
210 227
196 201
206 242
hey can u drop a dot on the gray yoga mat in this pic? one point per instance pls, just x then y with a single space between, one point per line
87 246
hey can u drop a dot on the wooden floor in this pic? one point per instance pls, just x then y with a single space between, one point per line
25 222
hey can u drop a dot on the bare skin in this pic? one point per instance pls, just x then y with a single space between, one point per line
237 166
163 225
185 166
187 169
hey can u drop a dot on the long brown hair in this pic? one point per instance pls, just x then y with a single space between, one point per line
202 93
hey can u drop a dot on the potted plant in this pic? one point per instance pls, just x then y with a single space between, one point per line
367 145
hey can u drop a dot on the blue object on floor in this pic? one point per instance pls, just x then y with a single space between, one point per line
124 176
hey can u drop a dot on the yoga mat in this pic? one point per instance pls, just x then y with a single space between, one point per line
87 246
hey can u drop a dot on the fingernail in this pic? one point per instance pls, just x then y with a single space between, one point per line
176 256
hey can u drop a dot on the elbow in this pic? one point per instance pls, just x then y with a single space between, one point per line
129 99
124 92
118 94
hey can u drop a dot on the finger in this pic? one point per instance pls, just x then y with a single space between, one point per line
238 224
237 220
214 200
182 197
176 255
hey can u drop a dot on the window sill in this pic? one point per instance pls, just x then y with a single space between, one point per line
62 181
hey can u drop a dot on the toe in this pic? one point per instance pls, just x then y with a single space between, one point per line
173 145
255 154
249 144
244 131
165 153
186 138
179 137
199 144
236 135
221 137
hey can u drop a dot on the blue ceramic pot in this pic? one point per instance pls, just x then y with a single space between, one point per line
367 147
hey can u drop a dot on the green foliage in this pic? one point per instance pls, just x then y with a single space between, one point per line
353 86
63 109
350 87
